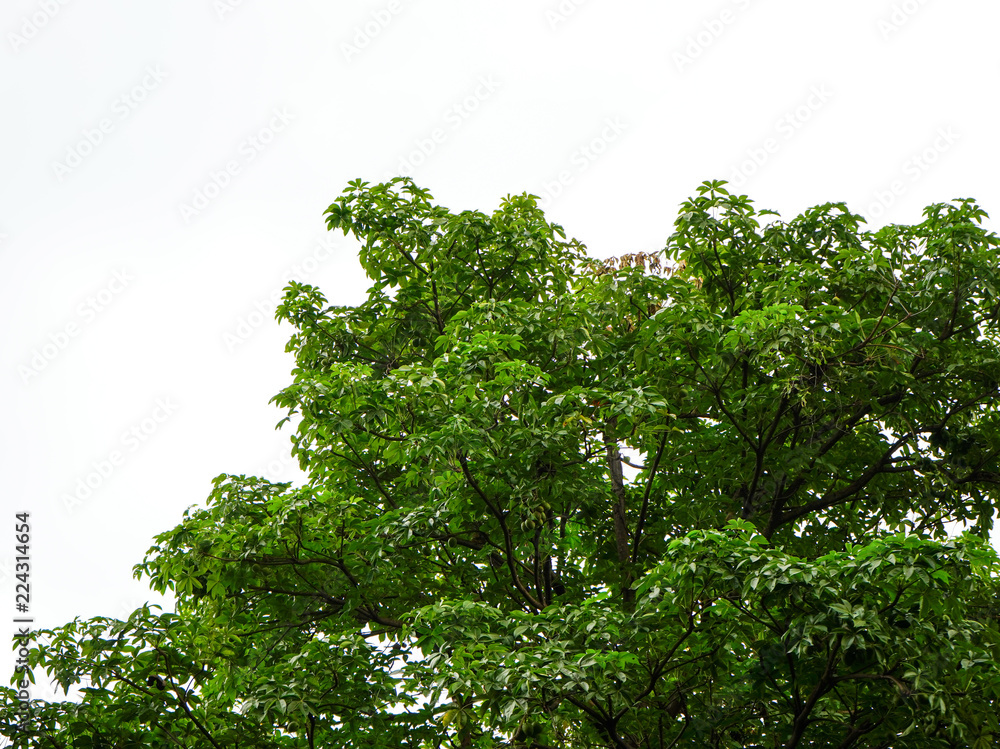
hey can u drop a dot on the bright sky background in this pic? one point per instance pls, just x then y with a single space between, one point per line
164 168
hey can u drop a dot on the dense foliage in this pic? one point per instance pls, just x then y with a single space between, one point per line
734 494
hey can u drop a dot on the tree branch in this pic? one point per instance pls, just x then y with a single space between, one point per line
618 511
508 541
637 538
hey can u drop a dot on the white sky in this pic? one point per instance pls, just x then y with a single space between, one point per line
122 289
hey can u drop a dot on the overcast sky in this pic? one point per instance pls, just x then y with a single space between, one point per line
164 168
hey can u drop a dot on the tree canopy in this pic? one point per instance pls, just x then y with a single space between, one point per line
734 493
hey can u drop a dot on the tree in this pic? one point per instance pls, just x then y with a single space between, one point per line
737 494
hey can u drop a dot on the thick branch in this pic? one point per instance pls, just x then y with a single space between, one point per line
508 541
637 538
833 498
802 718
618 510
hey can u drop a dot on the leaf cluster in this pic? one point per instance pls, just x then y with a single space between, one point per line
703 497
